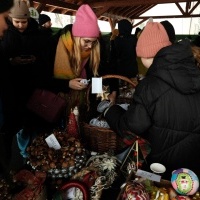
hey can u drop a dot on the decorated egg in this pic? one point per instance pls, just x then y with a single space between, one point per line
185 181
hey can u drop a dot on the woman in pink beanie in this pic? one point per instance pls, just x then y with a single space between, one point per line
166 104
76 56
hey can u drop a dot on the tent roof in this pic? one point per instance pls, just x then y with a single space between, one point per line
113 10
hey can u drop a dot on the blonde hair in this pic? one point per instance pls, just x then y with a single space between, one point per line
196 54
75 57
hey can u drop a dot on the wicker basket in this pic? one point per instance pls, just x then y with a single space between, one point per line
100 139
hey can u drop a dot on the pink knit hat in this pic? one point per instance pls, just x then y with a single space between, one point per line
153 38
86 23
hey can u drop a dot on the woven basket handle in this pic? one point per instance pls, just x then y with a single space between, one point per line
106 77
120 77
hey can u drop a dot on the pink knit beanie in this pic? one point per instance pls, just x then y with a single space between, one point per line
86 23
153 38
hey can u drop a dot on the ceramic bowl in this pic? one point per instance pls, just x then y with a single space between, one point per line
157 168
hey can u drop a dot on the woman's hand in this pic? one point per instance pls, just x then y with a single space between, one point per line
75 84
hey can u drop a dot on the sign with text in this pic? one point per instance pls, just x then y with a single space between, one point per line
52 142
148 175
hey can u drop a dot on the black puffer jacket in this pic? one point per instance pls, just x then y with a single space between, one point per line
166 110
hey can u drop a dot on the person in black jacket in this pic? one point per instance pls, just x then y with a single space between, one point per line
123 59
22 71
166 103
123 51
45 24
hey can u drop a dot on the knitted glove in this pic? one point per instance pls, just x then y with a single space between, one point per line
103 105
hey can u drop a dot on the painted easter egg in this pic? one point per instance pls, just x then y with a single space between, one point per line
185 181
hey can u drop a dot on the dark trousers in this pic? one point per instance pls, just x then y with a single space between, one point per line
5 153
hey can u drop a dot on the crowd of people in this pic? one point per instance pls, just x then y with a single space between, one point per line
165 107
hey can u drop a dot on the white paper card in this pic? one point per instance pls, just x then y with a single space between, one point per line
71 193
97 85
148 175
52 142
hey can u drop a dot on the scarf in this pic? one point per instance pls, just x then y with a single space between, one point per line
63 70
62 66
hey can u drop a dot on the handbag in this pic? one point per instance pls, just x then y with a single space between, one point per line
47 105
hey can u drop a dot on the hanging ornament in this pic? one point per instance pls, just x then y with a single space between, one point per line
72 126
76 113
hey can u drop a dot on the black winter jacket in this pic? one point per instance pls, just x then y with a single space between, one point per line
123 51
166 110
18 80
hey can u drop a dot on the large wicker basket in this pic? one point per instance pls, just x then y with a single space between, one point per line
100 139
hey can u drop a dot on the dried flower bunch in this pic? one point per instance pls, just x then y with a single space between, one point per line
106 165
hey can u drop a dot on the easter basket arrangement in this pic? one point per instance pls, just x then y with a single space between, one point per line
88 184
99 137
61 162
184 185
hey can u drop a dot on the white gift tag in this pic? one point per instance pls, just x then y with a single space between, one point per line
97 85
148 175
52 142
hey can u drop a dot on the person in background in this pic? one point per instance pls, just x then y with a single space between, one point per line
170 30
196 41
106 67
115 33
137 32
166 104
45 24
22 72
45 21
123 51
